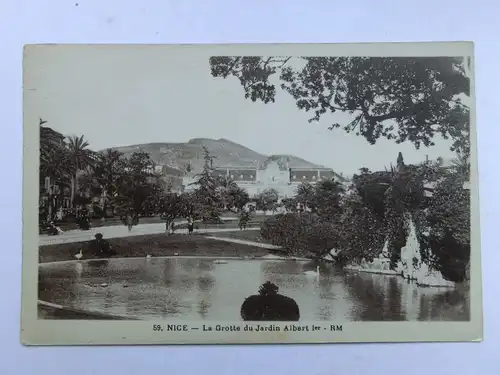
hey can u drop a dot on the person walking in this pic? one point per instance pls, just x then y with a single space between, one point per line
129 221
190 225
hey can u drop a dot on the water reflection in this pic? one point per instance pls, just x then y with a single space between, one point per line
190 288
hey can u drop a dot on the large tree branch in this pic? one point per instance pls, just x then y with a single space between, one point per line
231 67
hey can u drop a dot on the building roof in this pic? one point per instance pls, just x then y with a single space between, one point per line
237 168
312 169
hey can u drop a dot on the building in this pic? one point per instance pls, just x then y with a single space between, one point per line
54 199
273 174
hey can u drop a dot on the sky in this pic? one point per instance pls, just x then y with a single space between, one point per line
119 97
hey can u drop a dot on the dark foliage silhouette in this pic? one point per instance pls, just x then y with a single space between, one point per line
268 305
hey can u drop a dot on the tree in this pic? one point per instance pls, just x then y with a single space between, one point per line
448 227
371 188
55 178
153 193
108 168
224 187
267 200
399 98
208 196
55 166
139 189
54 171
327 200
244 218
80 157
88 187
238 198
189 206
460 167
170 208
305 196
233 197
362 232
50 141
290 204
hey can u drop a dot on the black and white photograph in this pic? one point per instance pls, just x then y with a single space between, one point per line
250 194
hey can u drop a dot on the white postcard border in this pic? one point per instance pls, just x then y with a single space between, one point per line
35 331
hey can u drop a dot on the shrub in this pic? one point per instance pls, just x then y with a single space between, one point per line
301 234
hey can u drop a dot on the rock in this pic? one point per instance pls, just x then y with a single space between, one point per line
413 268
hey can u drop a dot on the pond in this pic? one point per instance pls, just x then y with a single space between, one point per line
197 288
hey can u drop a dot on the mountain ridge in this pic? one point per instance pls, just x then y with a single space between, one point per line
226 153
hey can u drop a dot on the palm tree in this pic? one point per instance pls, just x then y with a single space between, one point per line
304 196
79 157
228 190
460 167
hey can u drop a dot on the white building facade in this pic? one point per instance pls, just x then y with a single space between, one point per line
271 175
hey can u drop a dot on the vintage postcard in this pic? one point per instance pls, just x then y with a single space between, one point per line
207 194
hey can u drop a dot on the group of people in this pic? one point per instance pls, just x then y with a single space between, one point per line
170 226
52 229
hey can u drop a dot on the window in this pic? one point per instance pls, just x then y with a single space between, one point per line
294 177
241 176
314 177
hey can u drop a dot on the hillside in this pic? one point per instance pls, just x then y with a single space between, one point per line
226 153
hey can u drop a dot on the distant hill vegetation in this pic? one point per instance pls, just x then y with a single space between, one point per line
226 154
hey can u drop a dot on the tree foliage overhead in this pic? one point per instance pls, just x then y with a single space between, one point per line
399 98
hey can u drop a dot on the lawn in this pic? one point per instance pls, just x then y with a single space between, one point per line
247 235
155 245
108 222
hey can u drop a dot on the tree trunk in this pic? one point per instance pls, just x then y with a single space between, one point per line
49 201
73 191
49 206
